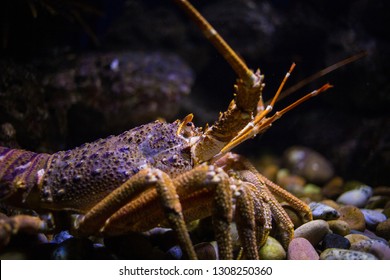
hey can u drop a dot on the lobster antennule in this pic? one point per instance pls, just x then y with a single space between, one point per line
237 64
247 94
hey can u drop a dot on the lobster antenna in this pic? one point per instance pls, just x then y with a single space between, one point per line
318 75
238 65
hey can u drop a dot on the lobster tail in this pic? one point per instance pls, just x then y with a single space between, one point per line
19 171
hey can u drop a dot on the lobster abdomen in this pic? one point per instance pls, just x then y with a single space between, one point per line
19 172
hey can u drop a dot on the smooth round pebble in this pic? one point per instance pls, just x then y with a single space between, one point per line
313 231
312 191
334 188
373 217
353 216
382 190
332 240
205 251
376 201
323 212
175 252
383 229
339 227
356 197
301 249
343 254
370 235
378 248
272 250
308 163
386 212
355 237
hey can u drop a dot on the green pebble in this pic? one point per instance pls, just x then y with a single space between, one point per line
272 250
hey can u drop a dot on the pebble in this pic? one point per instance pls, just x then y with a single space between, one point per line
292 183
205 251
376 247
386 212
334 188
382 190
339 227
332 240
313 192
353 216
373 217
331 203
314 231
74 249
323 212
356 197
301 249
356 237
61 237
343 254
163 238
308 163
175 252
383 229
376 201
272 250
370 235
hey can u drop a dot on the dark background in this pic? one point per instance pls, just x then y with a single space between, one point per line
348 124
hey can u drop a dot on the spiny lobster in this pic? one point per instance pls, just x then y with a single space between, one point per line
161 174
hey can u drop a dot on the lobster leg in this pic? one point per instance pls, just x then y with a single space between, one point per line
245 220
246 172
202 190
211 178
96 218
20 223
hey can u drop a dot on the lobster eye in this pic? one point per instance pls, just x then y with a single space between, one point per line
188 130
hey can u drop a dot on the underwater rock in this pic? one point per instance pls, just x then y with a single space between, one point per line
74 249
205 251
339 227
378 248
383 229
323 212
356 237
301 249
373 217
343 254
333 188
272 250
121 90
332 240
353 216
356 197
308 163
314 231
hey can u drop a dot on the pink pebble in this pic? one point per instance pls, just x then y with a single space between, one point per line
301 249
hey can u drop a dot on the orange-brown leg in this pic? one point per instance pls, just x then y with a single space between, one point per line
21 223
245 171
253 218
245 221
147 178
203 191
